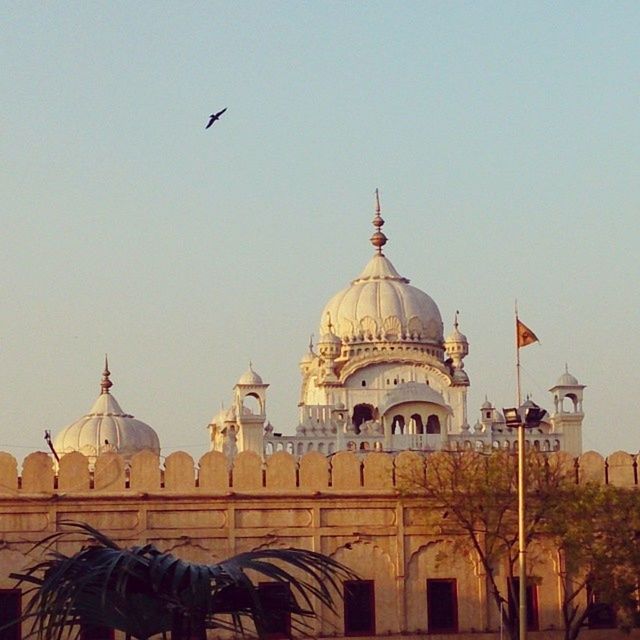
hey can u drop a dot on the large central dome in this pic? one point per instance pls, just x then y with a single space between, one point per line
381 306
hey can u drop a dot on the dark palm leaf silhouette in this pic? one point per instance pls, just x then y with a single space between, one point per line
143 591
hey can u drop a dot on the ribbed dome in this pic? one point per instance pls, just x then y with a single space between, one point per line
250 377
567 380
381 305
456 336
107 428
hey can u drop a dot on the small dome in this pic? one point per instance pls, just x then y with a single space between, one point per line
107 428
486 404
456 336
250 377
567 380
330 338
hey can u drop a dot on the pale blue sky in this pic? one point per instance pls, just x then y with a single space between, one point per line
504 137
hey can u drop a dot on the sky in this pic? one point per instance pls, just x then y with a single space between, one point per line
504 138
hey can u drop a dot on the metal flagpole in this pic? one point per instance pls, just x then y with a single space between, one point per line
522 564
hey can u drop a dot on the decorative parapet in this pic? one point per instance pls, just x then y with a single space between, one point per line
248 473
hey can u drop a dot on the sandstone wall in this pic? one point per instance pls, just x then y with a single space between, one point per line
347 506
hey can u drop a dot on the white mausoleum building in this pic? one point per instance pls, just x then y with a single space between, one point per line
383 376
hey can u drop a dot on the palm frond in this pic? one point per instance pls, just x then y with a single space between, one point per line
141 591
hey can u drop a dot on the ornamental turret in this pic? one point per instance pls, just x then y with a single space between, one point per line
457 348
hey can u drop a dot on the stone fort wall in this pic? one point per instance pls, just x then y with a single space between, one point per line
348 506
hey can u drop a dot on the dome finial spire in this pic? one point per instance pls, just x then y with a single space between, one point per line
455 319
378 239
106 384
329 323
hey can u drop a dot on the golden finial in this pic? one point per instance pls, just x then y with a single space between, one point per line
106 384
378 239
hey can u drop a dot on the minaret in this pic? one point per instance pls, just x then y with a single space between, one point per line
457 347
568 415
329 348
250 435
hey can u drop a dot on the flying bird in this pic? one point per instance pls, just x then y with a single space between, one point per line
215 116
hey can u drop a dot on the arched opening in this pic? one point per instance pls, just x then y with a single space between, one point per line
361 413
397 425
332 448
417 423
300 448
570 403
364 446
321 447
251 403
351 446
290 447
433 424
269 448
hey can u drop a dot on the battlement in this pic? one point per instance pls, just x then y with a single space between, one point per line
281 472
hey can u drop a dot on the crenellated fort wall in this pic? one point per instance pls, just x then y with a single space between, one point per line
343 471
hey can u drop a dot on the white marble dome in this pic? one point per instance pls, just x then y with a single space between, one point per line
107 428
381 305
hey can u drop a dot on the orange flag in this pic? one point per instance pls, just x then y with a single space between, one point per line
524 335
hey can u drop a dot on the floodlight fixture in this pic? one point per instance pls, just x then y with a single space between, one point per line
533 416
512 417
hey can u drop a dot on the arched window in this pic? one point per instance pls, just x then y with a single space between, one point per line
332 448
417 421
361 413
252 403
397 424
433 424
300 448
